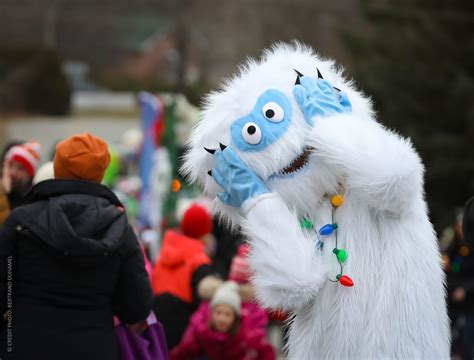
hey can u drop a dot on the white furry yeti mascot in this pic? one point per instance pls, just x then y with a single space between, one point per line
332 203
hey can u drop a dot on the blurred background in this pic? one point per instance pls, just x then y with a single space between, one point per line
124 68
66 64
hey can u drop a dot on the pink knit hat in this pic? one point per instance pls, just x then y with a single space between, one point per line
239 269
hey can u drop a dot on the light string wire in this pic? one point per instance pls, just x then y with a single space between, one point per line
335 234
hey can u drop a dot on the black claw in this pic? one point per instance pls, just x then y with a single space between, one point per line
335 88
222 146
209 173
298 75
319 74
210 151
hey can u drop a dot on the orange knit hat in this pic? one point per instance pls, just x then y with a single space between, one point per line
83 157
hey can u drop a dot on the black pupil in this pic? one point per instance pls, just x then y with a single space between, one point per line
269 113
251 129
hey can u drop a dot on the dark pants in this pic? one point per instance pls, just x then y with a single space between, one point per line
468 338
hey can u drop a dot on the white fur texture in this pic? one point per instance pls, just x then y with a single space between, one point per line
396 310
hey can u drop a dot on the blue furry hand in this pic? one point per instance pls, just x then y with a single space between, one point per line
317 97
239 182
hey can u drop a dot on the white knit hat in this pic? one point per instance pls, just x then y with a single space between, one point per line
45 172
227 294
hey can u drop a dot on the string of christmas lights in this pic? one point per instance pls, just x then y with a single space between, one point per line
329 229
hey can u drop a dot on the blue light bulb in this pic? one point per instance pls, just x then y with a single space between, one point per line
327 229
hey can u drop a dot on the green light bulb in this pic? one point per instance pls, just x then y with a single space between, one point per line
306 224
341 255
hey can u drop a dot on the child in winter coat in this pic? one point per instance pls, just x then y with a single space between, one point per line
223 332
240 273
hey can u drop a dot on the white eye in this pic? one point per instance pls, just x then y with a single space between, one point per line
273 112
251 133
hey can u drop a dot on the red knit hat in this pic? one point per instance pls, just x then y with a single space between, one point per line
196 222
27 154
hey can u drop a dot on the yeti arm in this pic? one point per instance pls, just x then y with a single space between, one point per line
377 166
288 272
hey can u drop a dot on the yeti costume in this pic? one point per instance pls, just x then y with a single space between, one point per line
332 204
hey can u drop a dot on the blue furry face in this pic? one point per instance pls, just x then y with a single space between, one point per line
266 123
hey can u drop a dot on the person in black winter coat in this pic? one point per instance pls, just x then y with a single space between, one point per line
69 261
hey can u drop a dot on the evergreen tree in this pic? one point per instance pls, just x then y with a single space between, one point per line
416 60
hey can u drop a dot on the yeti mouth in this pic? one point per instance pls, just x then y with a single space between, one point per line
298 163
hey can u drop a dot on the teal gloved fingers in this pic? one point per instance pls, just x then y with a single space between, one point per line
311 84
227 199
345 102
222 167
224 196
343 105
324 97
233 159
238 181
303 100
318 98
219 179
300 94
253 184
326 87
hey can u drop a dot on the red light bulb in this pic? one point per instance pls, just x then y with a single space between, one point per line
346 281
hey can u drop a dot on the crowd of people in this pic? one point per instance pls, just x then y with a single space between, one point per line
79 269
72 268
458 253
